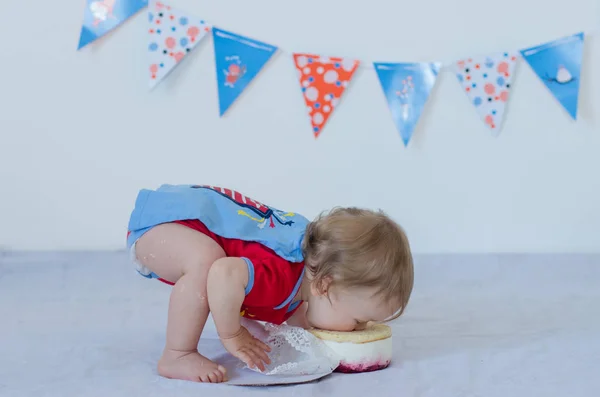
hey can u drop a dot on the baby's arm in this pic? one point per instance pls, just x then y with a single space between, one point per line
227 280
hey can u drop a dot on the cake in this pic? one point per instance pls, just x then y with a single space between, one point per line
360 351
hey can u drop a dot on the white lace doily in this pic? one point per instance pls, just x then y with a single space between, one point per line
294 351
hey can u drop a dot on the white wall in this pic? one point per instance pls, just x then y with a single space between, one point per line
80 133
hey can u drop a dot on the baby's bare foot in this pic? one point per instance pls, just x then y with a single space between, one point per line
190 366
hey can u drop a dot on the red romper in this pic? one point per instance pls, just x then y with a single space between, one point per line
273 282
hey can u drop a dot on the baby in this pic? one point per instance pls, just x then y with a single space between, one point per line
232 256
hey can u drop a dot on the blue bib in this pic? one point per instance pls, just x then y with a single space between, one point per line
224 212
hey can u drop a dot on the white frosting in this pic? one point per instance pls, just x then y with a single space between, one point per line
379 351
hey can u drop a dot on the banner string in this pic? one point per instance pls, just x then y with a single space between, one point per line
444 64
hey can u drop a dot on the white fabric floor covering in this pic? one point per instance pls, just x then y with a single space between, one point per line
85 324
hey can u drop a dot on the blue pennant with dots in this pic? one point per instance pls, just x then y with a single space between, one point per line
558 65
238 61
172 35
102 16
406 87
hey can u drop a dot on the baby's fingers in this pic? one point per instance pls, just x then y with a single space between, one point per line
254 360
246 358
250 359
263 346
257 360
260 353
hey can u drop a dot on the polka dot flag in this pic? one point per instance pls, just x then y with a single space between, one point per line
323 82
172 35
487 80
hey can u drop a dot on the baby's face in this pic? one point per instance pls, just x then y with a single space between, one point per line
346 310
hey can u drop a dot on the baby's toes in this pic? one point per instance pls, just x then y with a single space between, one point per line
212 377
221 374
217 377
204 378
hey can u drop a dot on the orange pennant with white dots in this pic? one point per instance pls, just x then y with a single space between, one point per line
323 81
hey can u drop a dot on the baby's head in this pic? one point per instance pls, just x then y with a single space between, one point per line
359 269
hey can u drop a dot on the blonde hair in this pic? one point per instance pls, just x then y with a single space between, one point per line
356 247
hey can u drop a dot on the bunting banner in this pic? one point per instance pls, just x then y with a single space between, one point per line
172 35
558 65
407 87
486 80
238 61
100 17
323 81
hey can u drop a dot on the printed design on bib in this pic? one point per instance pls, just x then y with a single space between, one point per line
245 313
263 213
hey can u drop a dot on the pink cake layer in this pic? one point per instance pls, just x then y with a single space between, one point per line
351 368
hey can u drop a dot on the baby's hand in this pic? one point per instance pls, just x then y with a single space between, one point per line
247 348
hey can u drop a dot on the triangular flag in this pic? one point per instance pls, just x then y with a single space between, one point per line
406 87
323 82
487 80
172 34
238 60
558 65
102 16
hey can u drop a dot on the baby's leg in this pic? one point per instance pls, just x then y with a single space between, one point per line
183 256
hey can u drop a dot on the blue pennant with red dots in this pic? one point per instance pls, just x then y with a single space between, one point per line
486 80
102 16
172 35
406 87
238 60
558 65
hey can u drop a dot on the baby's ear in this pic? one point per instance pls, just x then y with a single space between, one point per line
320 287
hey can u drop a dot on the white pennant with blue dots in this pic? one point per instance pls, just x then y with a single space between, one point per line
486 80
172 35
